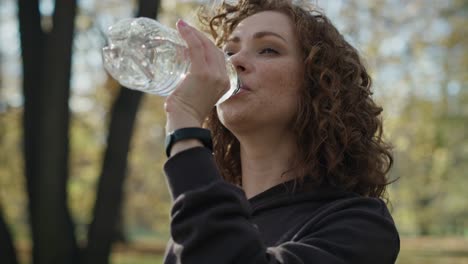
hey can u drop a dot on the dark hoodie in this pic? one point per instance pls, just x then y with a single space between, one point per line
212 222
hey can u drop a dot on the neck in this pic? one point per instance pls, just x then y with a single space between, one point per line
265 159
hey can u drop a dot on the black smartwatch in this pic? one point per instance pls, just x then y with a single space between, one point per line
204 135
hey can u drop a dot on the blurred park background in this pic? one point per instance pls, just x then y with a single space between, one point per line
81 158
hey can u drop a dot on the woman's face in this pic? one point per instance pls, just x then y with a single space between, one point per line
266 53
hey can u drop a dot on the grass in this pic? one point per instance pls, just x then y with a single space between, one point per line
417 250
143 252
414 250
433 250
136 259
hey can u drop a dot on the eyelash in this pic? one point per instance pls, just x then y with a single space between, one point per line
262 51
268 51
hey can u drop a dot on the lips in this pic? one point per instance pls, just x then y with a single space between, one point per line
243 88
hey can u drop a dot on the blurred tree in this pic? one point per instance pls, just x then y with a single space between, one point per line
46 54
47 51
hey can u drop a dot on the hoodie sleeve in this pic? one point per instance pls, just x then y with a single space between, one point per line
210 223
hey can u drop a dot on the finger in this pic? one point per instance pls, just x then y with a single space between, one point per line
212 53
195 45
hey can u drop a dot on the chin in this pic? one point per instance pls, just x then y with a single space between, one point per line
234 118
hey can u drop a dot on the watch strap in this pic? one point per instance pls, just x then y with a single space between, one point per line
201 134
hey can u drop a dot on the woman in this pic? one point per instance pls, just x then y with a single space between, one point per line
299 164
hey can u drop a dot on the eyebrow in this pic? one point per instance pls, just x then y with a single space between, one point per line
258 35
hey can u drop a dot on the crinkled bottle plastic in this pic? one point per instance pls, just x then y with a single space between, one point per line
144 55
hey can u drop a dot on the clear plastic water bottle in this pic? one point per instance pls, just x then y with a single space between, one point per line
144 55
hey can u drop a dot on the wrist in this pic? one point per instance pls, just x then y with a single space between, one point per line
178 116
172 124
176 121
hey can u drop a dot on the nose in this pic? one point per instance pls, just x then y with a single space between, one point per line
241 62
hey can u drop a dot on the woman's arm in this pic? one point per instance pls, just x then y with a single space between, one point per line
211 224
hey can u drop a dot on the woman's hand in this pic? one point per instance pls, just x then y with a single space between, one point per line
206 82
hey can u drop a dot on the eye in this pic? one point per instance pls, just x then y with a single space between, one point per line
229 53
268 51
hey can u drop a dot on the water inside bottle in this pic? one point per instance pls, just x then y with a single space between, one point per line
153 66
147 56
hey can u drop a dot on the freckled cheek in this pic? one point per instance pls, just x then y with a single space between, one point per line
272 81
284 82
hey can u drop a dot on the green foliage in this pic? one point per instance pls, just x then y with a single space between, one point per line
417 55
431 159
432 142
12 183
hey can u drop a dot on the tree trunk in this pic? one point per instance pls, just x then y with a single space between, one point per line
46 88
8 252
107 210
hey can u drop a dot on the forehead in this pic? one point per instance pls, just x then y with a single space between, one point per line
265 21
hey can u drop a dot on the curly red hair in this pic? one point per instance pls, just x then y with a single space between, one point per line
338 126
